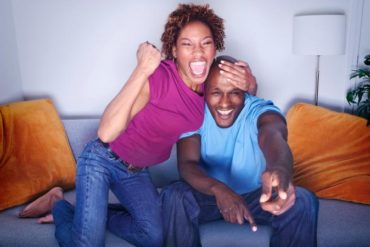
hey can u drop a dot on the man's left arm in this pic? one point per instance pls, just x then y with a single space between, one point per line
272 138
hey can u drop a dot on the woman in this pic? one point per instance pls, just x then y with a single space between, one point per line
160 101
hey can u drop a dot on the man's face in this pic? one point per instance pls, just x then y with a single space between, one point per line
224 100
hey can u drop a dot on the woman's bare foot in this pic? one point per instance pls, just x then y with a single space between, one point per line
47 219
43 204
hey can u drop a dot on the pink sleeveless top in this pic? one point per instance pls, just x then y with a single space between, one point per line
172 110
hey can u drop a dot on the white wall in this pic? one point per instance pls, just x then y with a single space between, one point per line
80 52
10 81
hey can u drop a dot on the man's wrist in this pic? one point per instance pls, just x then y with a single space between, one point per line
217 187
280 169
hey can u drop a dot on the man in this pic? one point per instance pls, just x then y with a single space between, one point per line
237 166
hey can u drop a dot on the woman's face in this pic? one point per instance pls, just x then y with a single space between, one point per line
194 53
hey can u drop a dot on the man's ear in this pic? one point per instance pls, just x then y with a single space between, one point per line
174 51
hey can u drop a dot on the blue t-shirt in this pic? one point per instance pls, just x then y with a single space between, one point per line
232 155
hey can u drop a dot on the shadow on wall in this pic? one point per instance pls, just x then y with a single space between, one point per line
41 96
9 99
307 101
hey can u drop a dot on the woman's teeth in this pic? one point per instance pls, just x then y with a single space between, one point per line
198 67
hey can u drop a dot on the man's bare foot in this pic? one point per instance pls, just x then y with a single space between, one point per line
46 219
43 204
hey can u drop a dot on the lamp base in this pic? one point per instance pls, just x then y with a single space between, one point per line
317 79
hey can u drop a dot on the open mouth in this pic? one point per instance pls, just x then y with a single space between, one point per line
198 68
224 113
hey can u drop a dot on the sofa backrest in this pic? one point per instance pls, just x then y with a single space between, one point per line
81 131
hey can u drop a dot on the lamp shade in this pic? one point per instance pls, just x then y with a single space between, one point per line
319 34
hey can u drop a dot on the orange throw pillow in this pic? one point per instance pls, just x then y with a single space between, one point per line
331 152
34 152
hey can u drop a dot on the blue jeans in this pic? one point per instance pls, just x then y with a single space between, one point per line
184 209
137 219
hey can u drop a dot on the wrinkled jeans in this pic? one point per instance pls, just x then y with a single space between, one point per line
137 219
184 209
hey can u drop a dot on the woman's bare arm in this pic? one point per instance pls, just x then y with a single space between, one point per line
133 96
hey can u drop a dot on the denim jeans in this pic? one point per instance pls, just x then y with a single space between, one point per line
137 219
184 209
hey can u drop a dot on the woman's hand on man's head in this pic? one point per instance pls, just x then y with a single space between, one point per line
240 75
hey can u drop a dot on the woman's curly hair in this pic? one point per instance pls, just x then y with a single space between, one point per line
186 13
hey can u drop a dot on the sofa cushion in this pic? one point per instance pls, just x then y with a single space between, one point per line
342 224
331 152
34 152
220 233
15 231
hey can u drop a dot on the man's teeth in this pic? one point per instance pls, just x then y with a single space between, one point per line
224 112
198 67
